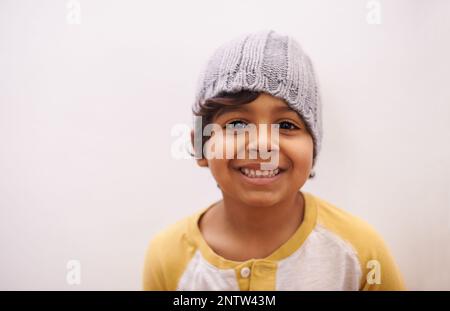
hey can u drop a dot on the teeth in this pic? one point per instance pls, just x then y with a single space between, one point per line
259 173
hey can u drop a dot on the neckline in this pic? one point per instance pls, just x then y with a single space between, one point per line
285 250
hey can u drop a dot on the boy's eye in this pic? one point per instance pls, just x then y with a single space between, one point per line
286 125
237 124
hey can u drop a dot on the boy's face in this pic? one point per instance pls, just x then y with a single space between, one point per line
238 178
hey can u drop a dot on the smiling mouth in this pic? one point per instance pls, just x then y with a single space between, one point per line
252 173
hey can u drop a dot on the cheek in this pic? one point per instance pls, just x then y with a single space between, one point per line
300 152
219 169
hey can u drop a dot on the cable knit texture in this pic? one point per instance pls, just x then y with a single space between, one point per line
265 62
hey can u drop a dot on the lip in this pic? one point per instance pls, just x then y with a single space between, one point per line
260 181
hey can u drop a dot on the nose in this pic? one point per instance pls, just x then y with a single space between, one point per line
265 140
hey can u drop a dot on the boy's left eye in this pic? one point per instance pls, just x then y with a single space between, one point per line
286 125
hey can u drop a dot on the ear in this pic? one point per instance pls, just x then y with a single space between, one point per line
201 162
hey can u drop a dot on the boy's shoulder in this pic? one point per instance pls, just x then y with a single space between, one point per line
368 245
177 233
168 253
348 227
342 222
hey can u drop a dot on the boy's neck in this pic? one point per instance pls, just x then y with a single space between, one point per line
259 223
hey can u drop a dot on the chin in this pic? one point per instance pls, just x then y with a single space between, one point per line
261 198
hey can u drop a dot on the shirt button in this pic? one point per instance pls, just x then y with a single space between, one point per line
245 272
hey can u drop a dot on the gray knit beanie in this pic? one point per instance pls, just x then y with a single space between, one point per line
265 62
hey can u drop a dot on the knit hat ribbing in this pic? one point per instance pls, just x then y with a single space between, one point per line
266 62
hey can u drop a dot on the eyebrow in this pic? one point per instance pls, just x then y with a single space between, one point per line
227 109
284 108
289 109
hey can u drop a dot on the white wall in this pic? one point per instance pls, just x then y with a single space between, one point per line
86 112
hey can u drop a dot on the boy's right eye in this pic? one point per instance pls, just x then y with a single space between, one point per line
237 124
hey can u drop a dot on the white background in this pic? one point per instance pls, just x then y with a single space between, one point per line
86 112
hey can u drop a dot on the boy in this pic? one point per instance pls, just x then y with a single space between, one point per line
265 233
